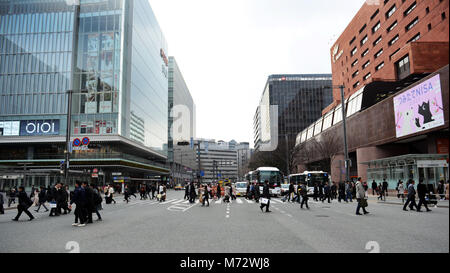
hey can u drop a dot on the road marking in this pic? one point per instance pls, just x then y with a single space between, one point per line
228 216
276 201
249 201
185 202
219 201
167 202
179 201
289 215
239 201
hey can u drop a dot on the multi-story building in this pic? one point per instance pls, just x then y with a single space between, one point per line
392 60
300 100
390 40
244 154
110 53
182 125
219 160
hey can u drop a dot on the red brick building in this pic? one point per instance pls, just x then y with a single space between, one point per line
390 40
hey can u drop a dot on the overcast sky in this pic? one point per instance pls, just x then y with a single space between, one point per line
226 49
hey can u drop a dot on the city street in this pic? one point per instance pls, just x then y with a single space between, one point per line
178 227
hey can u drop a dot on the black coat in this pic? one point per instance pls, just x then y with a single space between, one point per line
79 197
422 190
24 200
291 188
90 203
266 192
1 199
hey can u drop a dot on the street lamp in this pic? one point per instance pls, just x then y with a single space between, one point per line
344 126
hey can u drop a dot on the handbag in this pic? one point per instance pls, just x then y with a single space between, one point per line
53 205
264 201
363 203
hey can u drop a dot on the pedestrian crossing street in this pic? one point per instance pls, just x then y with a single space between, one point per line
181 202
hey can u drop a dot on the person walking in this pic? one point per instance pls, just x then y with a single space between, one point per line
97 201
192 193
411 201
341 191
12 197
291 192
380 192
348 192
266 196
441 190
89 205
126 194
333 191
79 198
257 192
361 197
205 195
186 192
422 193
111 193
247 193
304 195
153 189
24 202
219 192
33 189
385 188
42 199
326 191
233 192
2 201
316 192
53 196
401 191
374 187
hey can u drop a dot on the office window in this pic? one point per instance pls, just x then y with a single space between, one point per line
375 14
363 28
366 65
378 67
391 27
378 40
414 38
364 40
354 38
412 24
355 74
365 53
391 11
355 62
354 50
368 75
402 67
376 27
356 84
393 40
410 9
443 16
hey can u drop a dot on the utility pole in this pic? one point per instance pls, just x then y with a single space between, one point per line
286 136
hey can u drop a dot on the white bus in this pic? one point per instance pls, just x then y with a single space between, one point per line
250 177
310 178
273 176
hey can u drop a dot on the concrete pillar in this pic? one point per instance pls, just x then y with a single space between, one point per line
337 168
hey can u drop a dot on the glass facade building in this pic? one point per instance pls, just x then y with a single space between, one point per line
119 78
300 100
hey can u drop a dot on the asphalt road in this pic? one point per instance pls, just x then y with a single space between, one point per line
175 227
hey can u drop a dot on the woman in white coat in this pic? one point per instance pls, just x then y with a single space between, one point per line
361 197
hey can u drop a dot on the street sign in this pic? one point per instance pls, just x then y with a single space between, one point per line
192 143
118 174
76 142
95 170
202 173
86 141
94 175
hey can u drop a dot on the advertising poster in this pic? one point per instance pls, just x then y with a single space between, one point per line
108 41
91 107
38 127
106 61
9 128
419 108
92 43
105 107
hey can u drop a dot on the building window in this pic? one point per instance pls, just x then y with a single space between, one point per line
429 26
377 41
366 65
391 11
356 84
395 39
410 9
427 10
363 28
365 53
378 67
375 14
443 16
364 40
354 50
367 76
391 27
354 38
415 38
376 27
378 53
412 24
402 67
355 62
355 74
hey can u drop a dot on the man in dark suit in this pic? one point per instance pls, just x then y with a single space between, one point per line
374 187
24 203
90 206
2 201
192 193
291 192
79 198
411 196
266 194
422 192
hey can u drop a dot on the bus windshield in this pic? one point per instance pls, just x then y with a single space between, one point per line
274 177
319 178
297 179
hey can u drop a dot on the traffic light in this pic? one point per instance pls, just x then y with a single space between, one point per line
62 167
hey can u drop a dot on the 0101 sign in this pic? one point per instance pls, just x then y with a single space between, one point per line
39 127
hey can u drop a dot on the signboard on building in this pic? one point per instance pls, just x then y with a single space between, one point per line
39 127
9 128
419 108
431 163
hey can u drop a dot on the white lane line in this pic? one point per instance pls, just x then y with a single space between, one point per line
249 201
219 201
289 215
179 201
228 216
185 202
276 201
239 201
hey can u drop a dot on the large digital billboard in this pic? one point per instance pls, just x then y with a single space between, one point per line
419 108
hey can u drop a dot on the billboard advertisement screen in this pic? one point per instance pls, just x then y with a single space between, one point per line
419 108
39 127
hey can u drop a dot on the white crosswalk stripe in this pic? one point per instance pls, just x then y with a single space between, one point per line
219 201
249 201
239 201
